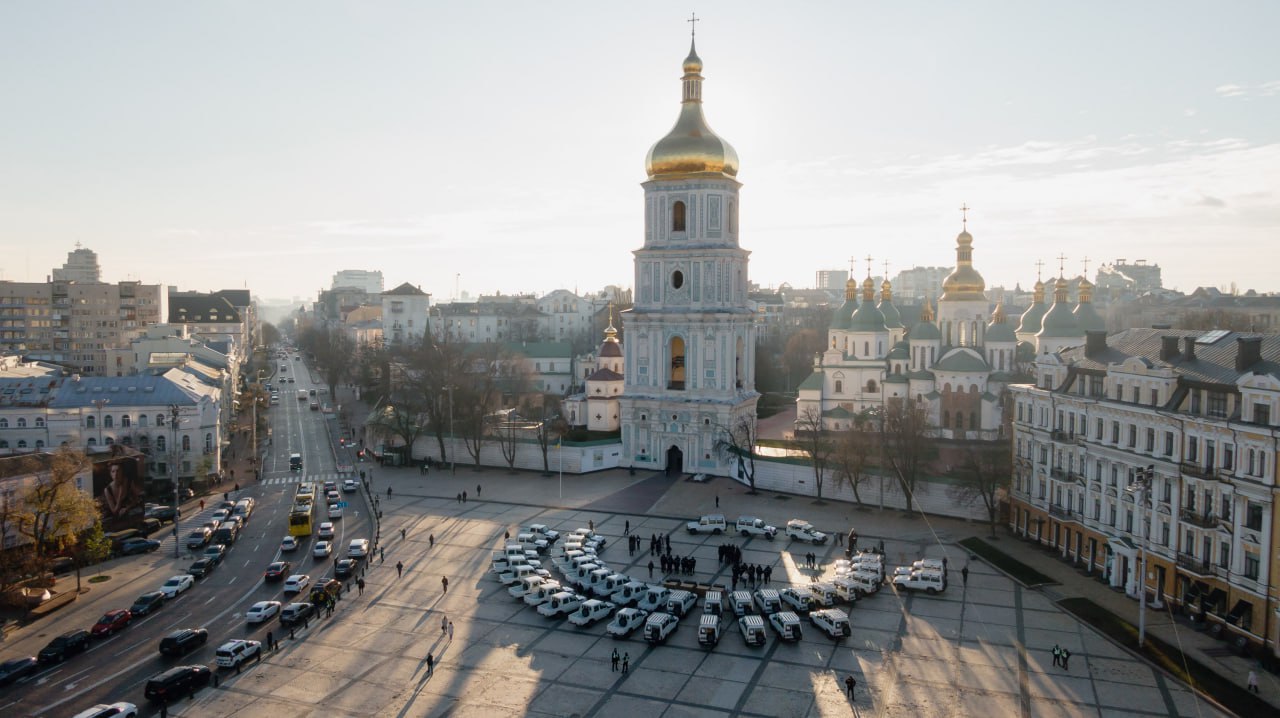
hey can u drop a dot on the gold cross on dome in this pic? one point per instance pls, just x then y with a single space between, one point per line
1039 266
1062 261
1086 266
868 266
693 27
964 215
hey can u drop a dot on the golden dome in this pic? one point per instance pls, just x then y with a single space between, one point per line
691 147
964 283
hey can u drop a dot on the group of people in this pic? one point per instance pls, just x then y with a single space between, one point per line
1061 656
729 553
678 564
811 559
633 545
752 575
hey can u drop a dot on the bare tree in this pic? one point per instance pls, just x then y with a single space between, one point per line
984 475
551 427
854 452
739 442
813 441
402 420
908 443
478 395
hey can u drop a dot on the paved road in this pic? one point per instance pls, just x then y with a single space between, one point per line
980 649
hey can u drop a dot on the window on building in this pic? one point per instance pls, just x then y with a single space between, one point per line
1251 565
1151 440
1128 521
1115 432
1224 554
1195 401
1119 392
1164 533
186 443
1253 516
1099 431
1228 456
160 443
676 380
1168 443
90 422
125 421
839 386
142 421
159 419
1217 404
1193 448
1262 414
1111 520
1133 395
677 216
1155 397
1133 436
1188 543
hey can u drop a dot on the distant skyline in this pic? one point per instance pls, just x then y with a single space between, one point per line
500 146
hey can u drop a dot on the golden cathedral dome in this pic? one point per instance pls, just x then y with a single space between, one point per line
691 147
964 283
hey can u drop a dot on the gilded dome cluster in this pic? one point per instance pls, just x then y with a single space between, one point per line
691 147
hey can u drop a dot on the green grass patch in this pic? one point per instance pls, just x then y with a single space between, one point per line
1233 696
1021 572
99 578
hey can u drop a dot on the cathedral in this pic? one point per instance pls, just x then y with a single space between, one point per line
957 363
689 356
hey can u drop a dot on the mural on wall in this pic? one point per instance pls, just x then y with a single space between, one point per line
117 486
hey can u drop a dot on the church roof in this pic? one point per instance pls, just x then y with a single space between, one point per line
924 331
840 318
605 374
899 351
895 379
1000 333
962 360
964 283
838 413
813 381
406 289
691 147
1059 321
1030 323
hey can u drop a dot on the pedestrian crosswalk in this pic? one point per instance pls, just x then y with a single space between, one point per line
297 478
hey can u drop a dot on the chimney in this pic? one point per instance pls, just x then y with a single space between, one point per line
1189 348
1248 352
1095 342
1168 348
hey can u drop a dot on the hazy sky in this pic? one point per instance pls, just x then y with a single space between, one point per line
269 144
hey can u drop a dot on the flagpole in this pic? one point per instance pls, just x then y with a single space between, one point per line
560 456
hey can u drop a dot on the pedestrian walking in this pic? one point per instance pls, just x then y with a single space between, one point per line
625 531
271 641
1253 681
1057 655
964 575
450 630
464 497
444 581
717 501
1066 659
650 569
431 541
382 555
477 491
444 625
849 685
388 492
360 585
202 504
399 569
626 661
591 525
401 534
431 663
507 535
613 665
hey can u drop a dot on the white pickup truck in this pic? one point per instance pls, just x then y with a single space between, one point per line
930 582
752 526
710 524
802 530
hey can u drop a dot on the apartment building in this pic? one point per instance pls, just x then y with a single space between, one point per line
73 323
1163 441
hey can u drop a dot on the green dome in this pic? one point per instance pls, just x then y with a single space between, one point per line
925 331
867 319
1059 322
1000 332
892 318
840 320
1030 323
1088 319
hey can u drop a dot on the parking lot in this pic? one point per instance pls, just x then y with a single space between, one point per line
981 649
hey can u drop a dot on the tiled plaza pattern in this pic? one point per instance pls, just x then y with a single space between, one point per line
960 653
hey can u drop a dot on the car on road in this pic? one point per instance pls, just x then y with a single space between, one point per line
163 513
325 531
626 621
358 548
322 549
177 682
328 485
221 514
709 524
332 496
288 543
65 646
262 611
335 511
296 613
183 641
237 651
132 546
215 553
344 567
201 568
111 621
350 486
15 669
177 584
277 571
119 709
297 583
147 602
198 538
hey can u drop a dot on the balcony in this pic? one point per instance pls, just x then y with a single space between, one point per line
1190 563
1060 435
1064 513
1203 520
1193 469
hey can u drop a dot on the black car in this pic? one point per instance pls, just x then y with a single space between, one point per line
15 669
201 568
344 567
296 613
183 641
177 682
164 513
277 571
129 547
147 603
215 553
226 533
65 646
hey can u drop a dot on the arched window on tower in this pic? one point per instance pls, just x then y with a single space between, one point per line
959 421
871 386
676 379
946 418
839 386
677 216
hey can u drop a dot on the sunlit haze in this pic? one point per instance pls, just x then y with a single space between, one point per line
500 146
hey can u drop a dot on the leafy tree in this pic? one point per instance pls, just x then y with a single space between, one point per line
270 334
53 509
739 441
908 443
813 440
854 454
984 474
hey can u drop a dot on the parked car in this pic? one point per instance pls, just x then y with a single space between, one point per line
215 553
833 621
798 599
658 626
752 628
163 513
709 524
119 709
626 621
297 583
295 613
177 682
262 611
111 621
177 584
132 546
564 602
15 669
237 651
201 568
147 602
802 530
277 571
787 624
65 646
752 526
198 538
544 532
183 641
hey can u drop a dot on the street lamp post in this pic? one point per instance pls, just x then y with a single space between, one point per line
98 404
173 471
1140 488
453 465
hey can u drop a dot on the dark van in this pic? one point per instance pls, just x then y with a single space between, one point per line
118 537
183 641
177 682
226 534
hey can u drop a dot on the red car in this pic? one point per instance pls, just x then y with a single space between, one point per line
111 622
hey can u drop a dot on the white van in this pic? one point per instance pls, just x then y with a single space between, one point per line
709 629
658 626
833 621
787 624
767 601
681 602
741 602
713 604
